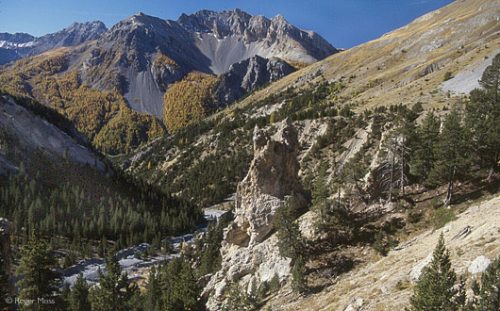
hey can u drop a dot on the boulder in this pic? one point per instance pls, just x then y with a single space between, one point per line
356 305
417 270
479 265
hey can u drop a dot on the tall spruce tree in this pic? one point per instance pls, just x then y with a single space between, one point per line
436 290
4 283
114 291
424 148
38 281
290 240
153 291
298 277
180 290
238 299
452 152
79 295
320 194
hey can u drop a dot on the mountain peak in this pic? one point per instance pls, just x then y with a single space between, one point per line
97 27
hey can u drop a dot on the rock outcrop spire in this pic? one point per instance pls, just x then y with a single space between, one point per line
250 254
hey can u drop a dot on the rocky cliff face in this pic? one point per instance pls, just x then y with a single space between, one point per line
248 75
239 35
250 254
30 133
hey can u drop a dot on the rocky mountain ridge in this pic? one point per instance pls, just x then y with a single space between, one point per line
20 45
154 53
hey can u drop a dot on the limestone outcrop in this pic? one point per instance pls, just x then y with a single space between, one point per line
250 254
272 175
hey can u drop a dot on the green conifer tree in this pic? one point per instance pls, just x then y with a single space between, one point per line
424 148
4 284
452 153
298 277
114 291
153 291
38 282
186 289
290 240
320 195
79 295
482 117
238 300
436 288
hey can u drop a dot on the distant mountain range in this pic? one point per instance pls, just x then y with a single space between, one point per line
142 55
19 45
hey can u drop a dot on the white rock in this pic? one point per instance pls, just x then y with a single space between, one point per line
355 306
479 264
417 270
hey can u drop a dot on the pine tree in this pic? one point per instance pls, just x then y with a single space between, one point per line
238 300
290 240
180 290
186 289
320 196
452 153
424 148
114 292
38 280
153 291
436 288
298 278
79 296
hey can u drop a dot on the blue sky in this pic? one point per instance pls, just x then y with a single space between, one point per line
345 23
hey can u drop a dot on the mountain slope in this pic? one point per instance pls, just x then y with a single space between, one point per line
408 65
385 283
148 54
31 134
103 117
232 36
